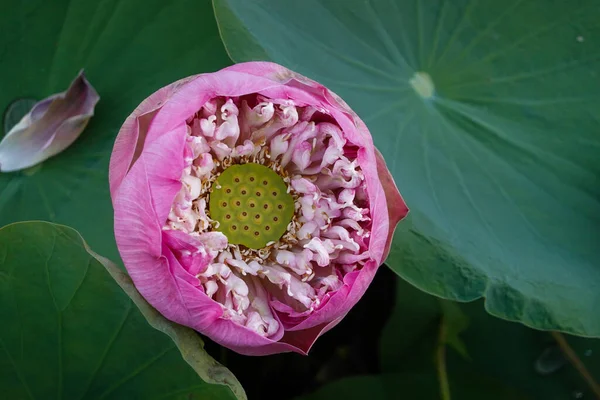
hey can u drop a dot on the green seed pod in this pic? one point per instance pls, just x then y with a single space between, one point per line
251 204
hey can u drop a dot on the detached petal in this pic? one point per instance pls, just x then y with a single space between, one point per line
51 126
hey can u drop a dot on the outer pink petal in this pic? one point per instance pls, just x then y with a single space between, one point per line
132 135
355 285
302 341
195 93
397 208
264 69
138 204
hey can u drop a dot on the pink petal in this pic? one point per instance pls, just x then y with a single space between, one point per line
138 234
186 101
50 127
302 154
341 301
397 208
188 250
132 135
213 240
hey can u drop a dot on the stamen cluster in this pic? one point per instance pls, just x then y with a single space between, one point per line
327 236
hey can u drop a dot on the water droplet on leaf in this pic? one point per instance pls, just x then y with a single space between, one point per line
551 360
15 111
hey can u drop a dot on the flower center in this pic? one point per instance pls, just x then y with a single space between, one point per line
251 204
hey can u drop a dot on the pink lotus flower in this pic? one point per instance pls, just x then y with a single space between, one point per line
251 205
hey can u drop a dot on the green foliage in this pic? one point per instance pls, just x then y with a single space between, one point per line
380 387
487 115
506 360
499 351
456 322
70 332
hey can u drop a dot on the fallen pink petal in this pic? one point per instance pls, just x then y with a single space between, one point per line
51 126
251 205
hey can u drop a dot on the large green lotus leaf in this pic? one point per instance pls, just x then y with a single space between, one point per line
526 360
487 113
70 332
129 49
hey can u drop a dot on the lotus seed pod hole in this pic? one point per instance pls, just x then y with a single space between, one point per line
251 204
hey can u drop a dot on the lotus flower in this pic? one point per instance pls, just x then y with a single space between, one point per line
252 206
50 127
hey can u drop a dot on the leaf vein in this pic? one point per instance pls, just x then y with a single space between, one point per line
109 345
136 372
